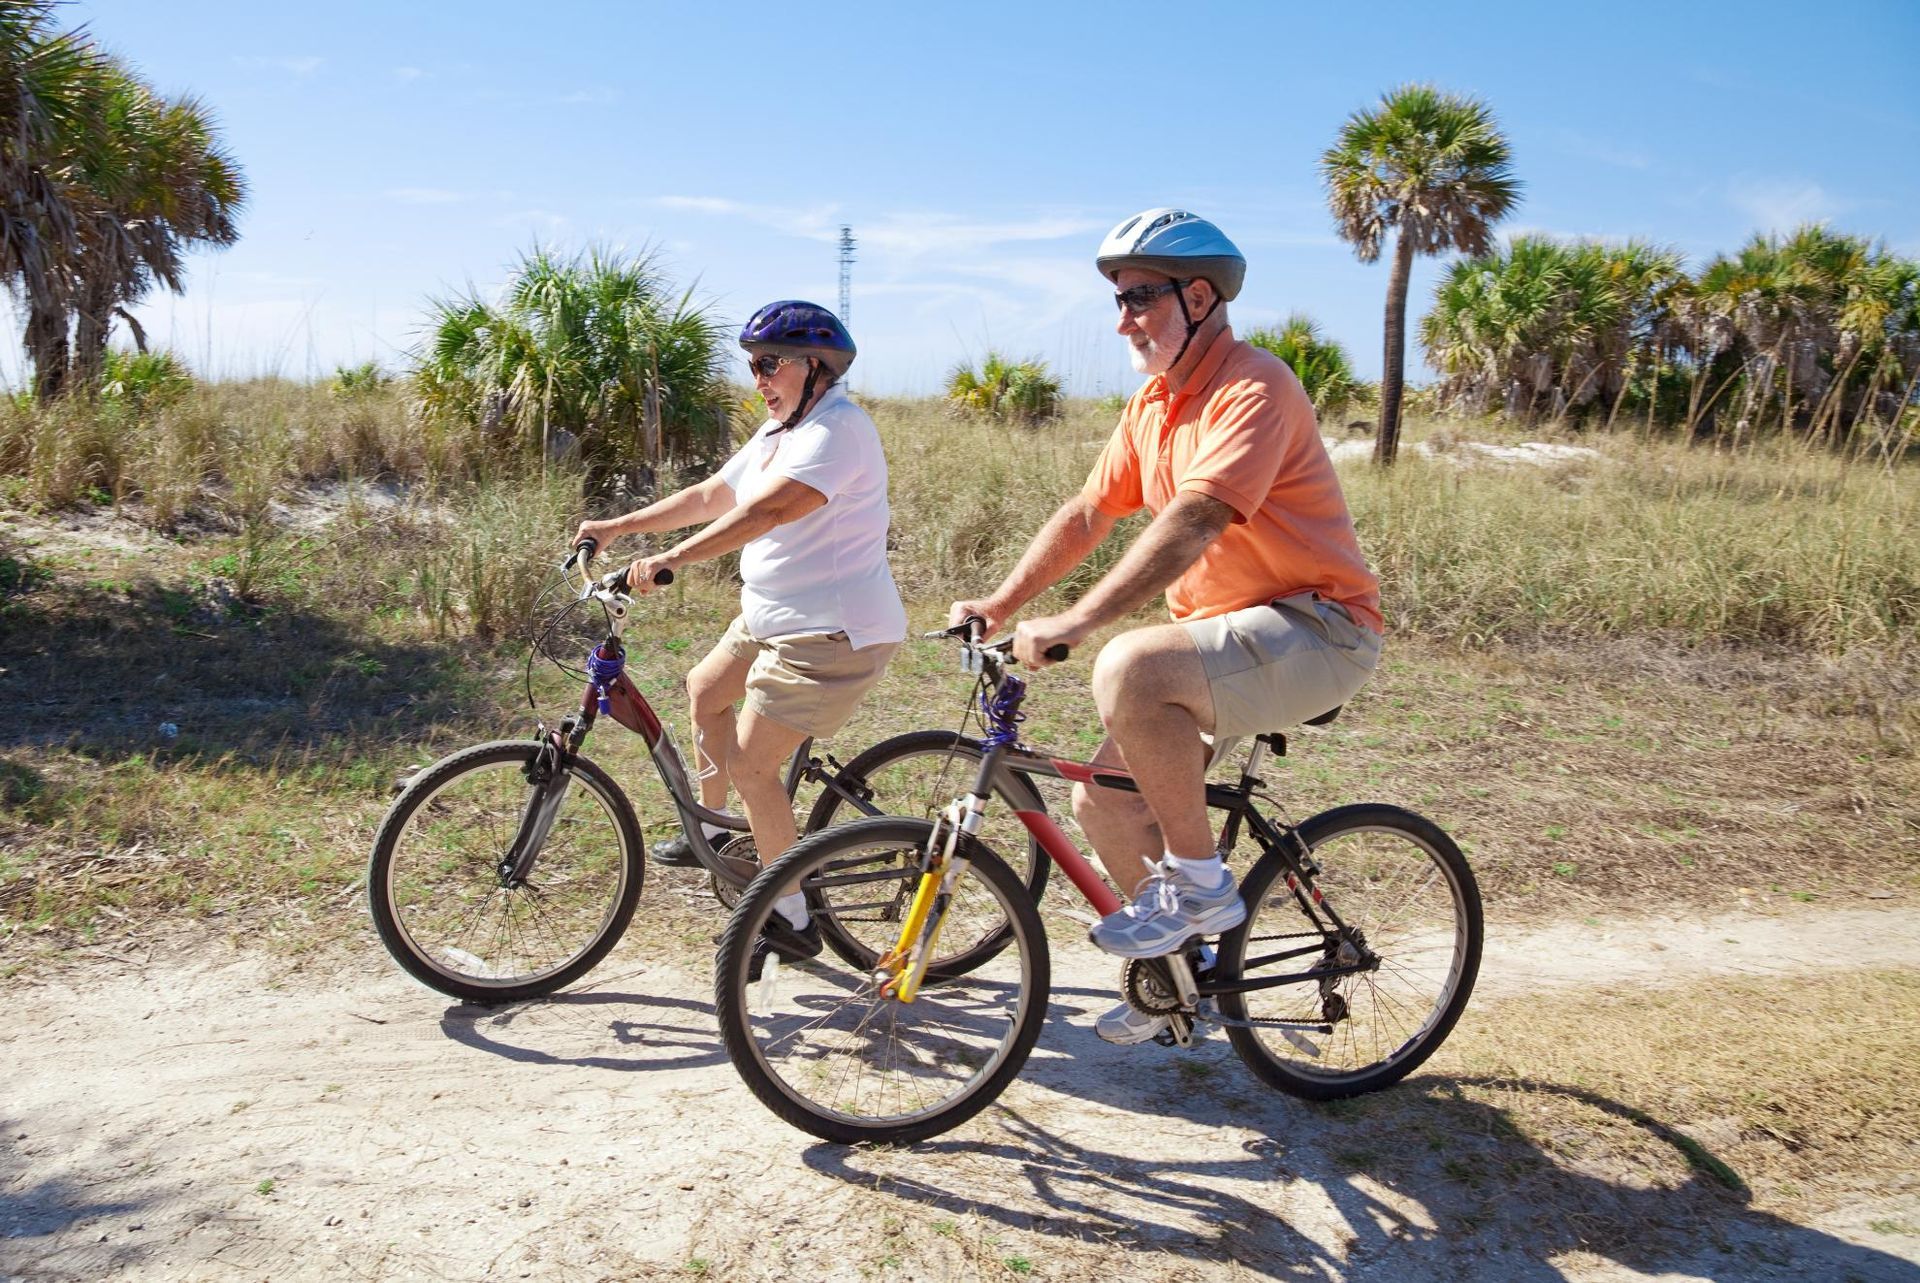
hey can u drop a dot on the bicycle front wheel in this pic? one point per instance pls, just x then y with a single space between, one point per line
915 775
1410 915
444 909
825 1049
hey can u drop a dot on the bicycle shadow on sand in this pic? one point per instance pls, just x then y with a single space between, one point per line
1429 1182
576 1028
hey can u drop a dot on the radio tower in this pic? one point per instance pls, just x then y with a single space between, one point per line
846 275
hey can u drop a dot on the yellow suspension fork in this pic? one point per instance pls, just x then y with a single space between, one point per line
920 933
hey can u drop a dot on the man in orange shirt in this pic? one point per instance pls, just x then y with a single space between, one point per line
1276 616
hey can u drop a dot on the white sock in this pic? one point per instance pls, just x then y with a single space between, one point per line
1209 874
794 909
715 833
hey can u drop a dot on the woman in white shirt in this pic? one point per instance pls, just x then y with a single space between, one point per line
805 502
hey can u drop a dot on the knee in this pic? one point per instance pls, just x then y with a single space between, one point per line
705 693
1094 805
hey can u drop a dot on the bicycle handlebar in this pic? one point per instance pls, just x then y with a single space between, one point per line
614 581
968 631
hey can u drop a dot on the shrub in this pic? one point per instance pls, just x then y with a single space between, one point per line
144 381
597 353
1319 362
1020 391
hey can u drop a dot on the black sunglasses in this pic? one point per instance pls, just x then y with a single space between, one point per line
1141 297
766 363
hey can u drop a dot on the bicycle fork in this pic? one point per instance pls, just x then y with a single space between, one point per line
903 969
549 777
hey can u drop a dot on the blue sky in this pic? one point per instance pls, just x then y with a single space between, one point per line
397 151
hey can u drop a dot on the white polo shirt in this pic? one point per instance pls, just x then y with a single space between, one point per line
826 572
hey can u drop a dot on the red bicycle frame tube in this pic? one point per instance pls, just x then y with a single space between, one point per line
1060 847
628 707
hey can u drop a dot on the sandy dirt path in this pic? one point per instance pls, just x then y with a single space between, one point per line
223 1115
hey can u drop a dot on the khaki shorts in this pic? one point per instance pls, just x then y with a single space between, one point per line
810 682
1272 666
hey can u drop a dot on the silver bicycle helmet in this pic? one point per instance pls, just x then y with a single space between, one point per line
1177 243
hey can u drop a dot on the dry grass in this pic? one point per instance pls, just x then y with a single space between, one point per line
1631 1111
1593 739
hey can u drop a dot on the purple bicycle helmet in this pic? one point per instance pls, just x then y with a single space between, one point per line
795 328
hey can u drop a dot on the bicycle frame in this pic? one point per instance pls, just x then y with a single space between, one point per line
608 690
943 866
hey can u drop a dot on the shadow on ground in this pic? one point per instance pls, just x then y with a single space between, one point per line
1486 1203
145 668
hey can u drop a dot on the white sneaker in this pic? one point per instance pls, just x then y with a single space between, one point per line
1126 1025
1167 911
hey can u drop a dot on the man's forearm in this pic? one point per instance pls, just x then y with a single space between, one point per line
1162 553
1063 543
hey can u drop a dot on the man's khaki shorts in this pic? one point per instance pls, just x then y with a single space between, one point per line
810 682
1273 666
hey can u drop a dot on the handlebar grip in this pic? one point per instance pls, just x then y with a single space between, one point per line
976 627
663 577
1056 652
589 547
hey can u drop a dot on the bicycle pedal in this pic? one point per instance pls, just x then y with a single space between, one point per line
1301 1043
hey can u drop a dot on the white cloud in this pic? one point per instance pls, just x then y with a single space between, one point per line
598 96
407 75
925 235
300 67
1782 204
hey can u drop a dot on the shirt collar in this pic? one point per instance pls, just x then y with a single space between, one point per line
828 399
1155 388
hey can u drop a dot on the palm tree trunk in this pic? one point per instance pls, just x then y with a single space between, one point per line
47 348
1393 374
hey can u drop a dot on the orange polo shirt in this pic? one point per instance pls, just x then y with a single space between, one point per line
1242 431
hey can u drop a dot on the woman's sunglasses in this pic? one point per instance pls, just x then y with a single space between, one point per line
766 363
1136 301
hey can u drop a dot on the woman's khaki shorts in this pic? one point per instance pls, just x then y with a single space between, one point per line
1272 666
810 682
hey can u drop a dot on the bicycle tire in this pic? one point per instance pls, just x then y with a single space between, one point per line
1377 871
838 1035
915 775
435 893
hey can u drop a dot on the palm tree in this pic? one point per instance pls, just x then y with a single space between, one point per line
1434 166
45 104
159 185
103 187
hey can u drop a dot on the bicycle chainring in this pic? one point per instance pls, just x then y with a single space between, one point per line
740 857
1147 987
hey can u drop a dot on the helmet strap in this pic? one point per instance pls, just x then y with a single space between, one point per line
814 366
1193 326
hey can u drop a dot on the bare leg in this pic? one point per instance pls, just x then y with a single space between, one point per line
714 686
760 757
1152 694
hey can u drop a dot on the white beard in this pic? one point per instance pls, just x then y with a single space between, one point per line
1156 358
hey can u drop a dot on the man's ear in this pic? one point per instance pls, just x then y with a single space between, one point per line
1200 296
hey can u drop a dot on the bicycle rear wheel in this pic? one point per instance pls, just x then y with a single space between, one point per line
442 907
915 775
1407 898
823 1048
